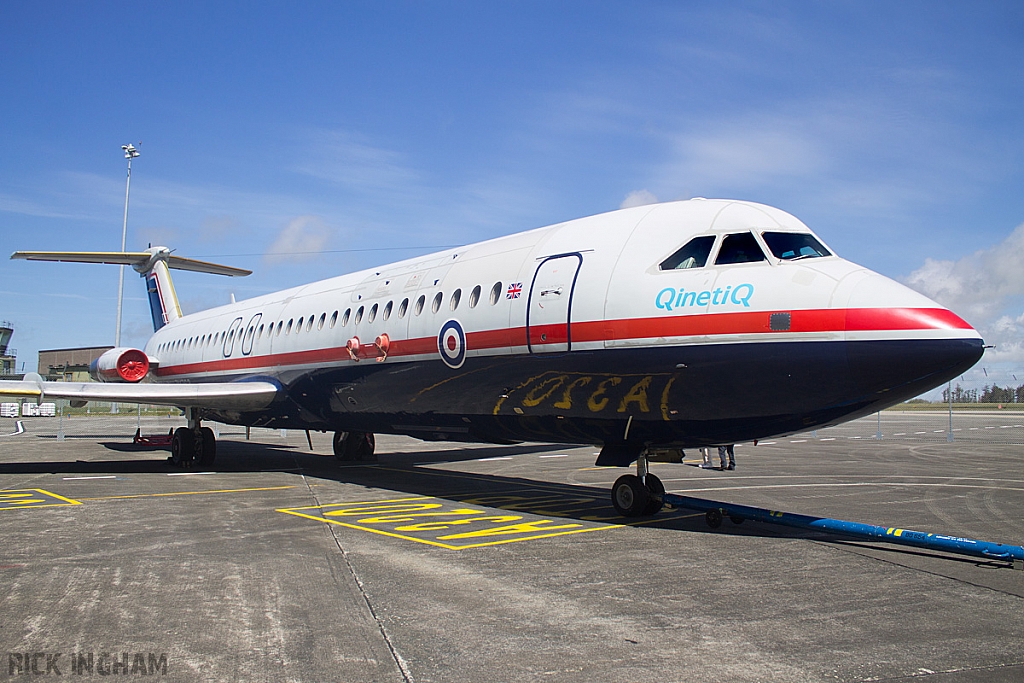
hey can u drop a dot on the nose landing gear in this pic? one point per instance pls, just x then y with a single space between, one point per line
354 446
640 494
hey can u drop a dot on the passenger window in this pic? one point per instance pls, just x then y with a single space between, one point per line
372 315
334 319
403 308
288 327
298 325
474 297
495 293
741 247
309 323
387 312
456 297
419 304
344 318
694 254
359 316
790 246
436 306
320 324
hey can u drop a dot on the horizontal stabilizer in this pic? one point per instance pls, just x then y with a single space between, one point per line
140 260
213 395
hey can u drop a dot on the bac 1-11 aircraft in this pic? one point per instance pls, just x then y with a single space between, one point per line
661 327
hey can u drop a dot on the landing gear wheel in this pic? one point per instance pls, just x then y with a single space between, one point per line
735 519
713 518
207 451
629 496
354 446
182 447
656 490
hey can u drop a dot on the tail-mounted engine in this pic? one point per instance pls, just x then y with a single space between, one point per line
120 365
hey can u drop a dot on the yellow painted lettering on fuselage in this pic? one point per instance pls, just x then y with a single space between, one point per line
566 402
597 404
637 395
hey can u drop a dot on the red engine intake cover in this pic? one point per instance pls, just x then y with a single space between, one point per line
132 365
120 365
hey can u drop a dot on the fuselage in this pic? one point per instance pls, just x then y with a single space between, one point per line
607 329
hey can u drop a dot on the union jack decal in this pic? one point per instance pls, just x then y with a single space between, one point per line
514 290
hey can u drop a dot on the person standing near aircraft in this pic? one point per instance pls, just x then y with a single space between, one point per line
727 450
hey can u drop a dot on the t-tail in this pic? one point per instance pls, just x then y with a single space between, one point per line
153 264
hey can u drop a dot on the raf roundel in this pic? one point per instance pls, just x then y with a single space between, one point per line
451 344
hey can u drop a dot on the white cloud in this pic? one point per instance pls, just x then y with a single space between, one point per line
978 285
344 159
984 287
638 198
300 240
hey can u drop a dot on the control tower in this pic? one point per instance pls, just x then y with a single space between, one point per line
8 356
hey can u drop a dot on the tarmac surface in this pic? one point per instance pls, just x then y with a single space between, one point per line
456 562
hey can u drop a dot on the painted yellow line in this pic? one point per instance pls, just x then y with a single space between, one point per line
18 499
192 493
448 546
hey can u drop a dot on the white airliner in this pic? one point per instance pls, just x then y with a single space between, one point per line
660 327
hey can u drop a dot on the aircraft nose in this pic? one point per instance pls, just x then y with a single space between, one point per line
901 343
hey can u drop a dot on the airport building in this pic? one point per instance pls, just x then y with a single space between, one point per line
8 356
69 365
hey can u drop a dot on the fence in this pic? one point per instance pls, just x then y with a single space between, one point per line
926 422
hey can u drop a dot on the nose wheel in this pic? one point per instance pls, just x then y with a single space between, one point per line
354 446
640 494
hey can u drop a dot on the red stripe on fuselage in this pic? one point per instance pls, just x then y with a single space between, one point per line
819 320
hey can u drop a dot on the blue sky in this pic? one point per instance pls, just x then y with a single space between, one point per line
367 132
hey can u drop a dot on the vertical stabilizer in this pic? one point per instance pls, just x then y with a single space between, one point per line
163 300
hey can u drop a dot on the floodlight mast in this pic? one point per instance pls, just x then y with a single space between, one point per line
129 153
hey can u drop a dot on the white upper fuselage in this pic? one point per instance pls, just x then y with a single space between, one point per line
619 297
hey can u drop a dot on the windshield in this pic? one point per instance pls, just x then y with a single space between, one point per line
790 246
740 247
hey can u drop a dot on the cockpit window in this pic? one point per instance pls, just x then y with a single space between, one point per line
741 247
694 254
790 246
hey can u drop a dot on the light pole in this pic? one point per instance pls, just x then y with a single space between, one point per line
129 153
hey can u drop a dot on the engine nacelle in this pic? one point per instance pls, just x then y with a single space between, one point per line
120 365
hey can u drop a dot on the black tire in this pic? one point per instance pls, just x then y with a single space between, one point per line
656 490
629 496
182 447
713 518
735 519
207 451
354 446
339 445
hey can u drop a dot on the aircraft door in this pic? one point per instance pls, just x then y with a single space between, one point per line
549 309
249 336
229 338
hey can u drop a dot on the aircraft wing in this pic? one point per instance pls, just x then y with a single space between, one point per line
215 395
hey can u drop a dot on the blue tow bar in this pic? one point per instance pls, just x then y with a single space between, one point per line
715 512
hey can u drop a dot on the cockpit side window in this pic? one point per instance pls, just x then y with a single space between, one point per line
741 247
693 254
790 246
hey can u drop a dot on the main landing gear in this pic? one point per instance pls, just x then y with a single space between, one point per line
354 446
640 494
193 444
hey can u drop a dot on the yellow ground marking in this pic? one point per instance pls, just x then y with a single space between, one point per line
191 493
442 523
13 499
